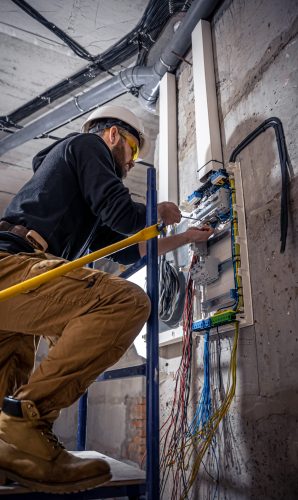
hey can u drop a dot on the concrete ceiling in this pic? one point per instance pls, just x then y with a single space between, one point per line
33 59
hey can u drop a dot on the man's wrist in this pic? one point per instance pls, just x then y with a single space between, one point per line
185 238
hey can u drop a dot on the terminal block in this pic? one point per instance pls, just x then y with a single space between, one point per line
219 299
216 206
202 324
219 178
223 318
205 271
218 319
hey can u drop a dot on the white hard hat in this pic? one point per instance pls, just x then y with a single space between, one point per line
124 115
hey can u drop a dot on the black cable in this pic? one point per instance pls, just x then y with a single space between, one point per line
284 165
218 350
148 29
169 288
72 44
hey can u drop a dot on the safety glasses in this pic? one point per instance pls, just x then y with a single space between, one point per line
132 144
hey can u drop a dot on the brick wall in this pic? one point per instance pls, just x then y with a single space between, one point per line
135 446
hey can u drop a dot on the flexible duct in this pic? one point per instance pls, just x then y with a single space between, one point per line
146 80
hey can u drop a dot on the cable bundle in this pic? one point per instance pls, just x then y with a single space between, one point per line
183 450
197 445
74 46
176 426
171 293
203 411
184 446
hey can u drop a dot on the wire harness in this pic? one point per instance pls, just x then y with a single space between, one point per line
186 439
175 430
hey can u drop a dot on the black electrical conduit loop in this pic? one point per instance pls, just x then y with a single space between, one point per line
284 165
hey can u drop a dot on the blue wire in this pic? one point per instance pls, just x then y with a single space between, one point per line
203 411
204 408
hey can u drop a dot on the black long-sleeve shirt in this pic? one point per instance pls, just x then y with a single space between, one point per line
75 201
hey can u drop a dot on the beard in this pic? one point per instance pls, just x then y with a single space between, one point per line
118 154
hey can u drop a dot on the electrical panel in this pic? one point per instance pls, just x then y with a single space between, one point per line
218 268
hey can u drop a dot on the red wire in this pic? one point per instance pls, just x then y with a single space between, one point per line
178 416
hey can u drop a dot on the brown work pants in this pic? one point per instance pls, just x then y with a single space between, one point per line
93 315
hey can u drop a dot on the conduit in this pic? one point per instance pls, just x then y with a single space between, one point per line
144 79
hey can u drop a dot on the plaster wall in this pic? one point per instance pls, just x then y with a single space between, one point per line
256 61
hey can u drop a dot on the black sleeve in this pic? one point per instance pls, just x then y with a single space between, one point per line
102 190
105 236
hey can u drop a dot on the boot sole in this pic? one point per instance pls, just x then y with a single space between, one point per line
60 488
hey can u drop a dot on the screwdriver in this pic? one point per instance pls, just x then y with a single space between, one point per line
185 217
209 223
162 226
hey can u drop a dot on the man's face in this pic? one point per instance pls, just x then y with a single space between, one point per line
118 153
123 156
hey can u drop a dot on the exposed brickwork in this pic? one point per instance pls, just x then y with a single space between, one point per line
136 441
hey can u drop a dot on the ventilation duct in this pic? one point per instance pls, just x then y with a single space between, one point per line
144 80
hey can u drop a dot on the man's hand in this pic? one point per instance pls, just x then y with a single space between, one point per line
170 243
198 234
168 212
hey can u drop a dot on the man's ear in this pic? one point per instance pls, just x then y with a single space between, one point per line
114 135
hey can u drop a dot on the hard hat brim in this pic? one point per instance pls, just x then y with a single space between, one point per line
144 147
125 115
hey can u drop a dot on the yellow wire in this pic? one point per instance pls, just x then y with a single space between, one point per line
236 245
208 431
145 234
206 434
200 442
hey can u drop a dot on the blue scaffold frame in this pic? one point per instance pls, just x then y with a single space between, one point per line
150 370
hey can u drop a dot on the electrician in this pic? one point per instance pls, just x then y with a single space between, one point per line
75 201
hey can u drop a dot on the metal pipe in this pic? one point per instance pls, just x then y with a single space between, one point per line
152 376
144 80
82 422
176 48
83 410
75 107
64 114
134 268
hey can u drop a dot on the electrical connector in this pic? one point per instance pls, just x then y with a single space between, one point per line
203 324
194 198
221 318
219 178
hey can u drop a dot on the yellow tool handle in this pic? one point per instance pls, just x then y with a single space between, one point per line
145 234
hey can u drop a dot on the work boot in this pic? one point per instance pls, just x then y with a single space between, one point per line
32 455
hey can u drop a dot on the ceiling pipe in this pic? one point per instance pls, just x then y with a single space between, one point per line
179 44
143 79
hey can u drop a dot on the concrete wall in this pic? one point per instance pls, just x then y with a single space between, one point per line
116 416
256 61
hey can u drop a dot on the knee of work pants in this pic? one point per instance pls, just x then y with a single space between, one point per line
125 306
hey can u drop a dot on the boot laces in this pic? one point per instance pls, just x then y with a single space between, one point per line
47 432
